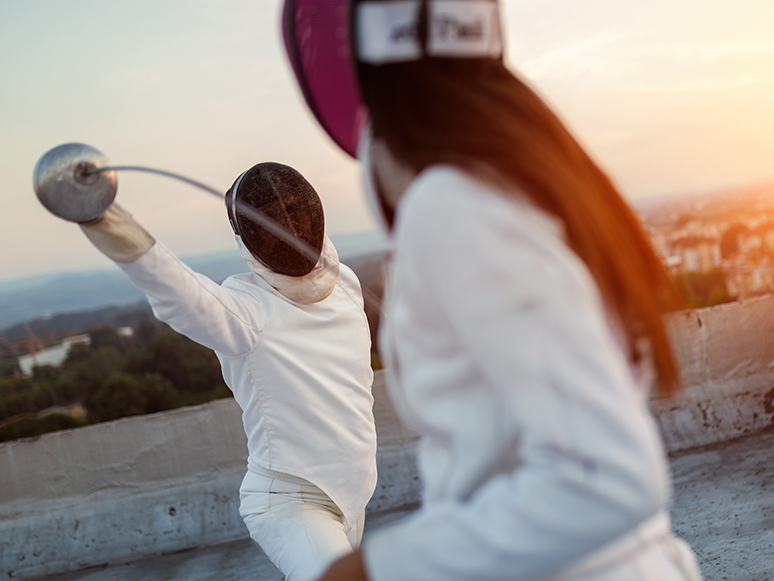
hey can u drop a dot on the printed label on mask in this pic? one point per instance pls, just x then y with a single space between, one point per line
387 32
464 29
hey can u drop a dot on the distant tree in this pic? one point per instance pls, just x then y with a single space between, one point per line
58 421
104 360
44 396
121 395
77 352
21 428
190 367
155 370
30 426
44 373
107 337
159 392
718 295
9 366
69 386
729 240
124 394
682 221
84 377
704 289
15 385
16 397
19 395
146 331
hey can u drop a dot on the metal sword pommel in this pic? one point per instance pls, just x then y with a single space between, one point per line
67 184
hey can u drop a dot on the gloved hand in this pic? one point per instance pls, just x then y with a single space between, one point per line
118 236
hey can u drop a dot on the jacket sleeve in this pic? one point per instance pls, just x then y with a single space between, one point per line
527 312
223 319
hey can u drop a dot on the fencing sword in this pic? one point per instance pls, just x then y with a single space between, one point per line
76 182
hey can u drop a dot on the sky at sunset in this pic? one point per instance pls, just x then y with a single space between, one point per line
671 96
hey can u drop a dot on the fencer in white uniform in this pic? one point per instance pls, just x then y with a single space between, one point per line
539 457
294 345
524 305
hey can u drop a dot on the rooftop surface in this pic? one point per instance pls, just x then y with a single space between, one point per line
230 561
724 507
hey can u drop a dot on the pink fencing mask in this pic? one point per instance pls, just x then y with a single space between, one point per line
317 41
321 37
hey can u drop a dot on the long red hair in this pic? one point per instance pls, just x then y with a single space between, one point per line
475 112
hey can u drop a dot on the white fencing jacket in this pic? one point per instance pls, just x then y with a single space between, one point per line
300 372
537 444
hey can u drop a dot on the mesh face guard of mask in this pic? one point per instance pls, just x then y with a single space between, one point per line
281 194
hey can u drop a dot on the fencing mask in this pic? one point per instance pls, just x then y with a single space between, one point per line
324 39
281 194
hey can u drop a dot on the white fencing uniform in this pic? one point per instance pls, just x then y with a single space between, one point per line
300 371
538 456
296 523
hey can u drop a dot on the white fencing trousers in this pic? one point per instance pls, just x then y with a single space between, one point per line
296 524
648 553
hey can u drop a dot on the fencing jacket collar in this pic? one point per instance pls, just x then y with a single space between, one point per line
307 289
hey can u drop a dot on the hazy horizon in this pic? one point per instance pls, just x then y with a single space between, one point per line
367 241
670 97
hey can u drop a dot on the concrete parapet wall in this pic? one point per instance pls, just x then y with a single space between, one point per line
148 485
76 535
121 458
726 359
119 490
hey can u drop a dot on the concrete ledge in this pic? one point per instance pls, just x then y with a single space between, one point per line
124 457
726 358
162 521
149 485
122 529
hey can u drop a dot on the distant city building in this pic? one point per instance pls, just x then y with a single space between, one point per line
696 253
731 231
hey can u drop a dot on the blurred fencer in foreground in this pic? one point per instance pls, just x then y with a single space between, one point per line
294 345
525 303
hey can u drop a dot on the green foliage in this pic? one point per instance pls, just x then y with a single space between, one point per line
124 394
15 385
161 395
8 366
146 331
155 370
729 240
106 337
44 395
704 289
44 373
84 378
72 381
31 426
77 352
190 367
119 396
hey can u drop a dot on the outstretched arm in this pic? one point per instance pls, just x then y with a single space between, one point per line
192 304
